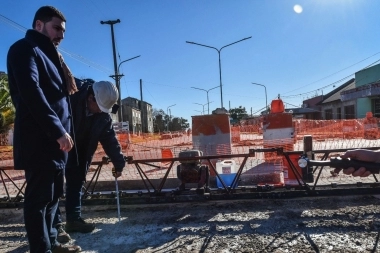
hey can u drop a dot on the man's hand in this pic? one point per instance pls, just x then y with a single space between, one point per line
361 172
362 155
65 142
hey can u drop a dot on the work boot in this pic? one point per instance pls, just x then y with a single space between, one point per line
60 248
62 236
80 226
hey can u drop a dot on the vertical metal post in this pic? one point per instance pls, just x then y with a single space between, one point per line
308 151
208 107
220 80
117 79
266 97
141 108
167 113
170 116
220 66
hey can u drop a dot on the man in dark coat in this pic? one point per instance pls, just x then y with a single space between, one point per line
39 93
93 124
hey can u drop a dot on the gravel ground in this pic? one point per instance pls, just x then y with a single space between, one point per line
334 224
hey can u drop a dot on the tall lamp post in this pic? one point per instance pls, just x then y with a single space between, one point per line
208 107
112 23
266 100
220 66
167 113
203 106
118 68
117 78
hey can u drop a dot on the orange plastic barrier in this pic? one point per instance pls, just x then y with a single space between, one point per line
166 153
289 176
277 106
370 127
235 134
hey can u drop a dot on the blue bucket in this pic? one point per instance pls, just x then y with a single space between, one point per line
227 179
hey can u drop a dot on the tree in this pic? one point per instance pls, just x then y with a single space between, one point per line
7 110
238 113
179 124
161 122
158 120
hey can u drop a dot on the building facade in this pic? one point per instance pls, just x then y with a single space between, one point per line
139 111
366 92
333 107
310 109
133 116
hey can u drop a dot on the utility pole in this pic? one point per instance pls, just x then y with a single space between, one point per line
141 108
116 76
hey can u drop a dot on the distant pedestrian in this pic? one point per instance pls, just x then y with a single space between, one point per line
38 88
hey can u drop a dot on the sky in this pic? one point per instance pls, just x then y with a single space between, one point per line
297 48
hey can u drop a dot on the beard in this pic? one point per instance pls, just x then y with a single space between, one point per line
45 32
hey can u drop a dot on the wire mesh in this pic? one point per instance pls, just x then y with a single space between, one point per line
327 135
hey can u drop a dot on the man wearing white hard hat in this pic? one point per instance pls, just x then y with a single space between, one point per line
91 106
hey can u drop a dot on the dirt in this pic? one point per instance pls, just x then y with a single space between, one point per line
6 152
334 224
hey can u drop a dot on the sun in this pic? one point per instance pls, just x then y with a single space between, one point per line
297 8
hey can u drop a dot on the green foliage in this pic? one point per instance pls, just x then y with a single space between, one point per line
7 110
162 122
178 124
238 113
158 120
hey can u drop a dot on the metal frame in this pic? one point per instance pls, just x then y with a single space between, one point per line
161 195
105 160
19 190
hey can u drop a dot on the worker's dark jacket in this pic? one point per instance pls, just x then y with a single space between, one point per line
38 91
89 130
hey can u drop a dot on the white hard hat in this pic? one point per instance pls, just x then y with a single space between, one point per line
105 94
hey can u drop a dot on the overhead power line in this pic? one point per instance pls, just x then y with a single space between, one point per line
66 52
333 73
331 84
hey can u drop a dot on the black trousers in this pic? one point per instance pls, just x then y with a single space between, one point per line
42 192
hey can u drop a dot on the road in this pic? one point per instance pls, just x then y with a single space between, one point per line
333 224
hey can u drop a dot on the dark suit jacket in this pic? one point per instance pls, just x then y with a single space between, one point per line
38 90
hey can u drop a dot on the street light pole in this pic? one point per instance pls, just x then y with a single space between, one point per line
220 66
208 107
170 115
117 78
111 23
167 113
203 106
266 100
118 68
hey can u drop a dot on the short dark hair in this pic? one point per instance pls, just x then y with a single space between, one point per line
46 14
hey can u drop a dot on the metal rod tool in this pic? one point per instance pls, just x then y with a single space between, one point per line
344 163
117 193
